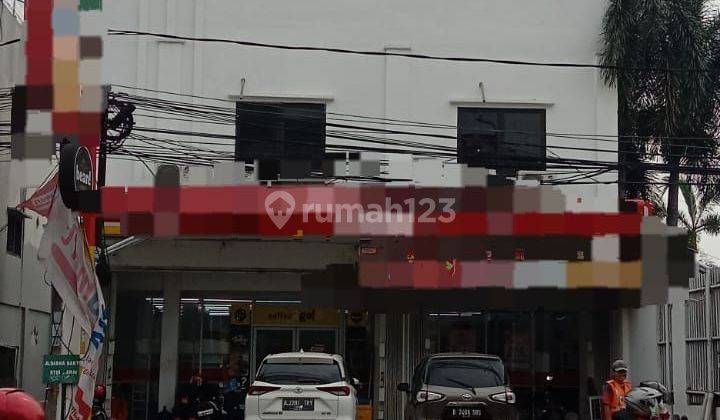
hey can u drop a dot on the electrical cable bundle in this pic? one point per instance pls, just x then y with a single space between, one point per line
368 134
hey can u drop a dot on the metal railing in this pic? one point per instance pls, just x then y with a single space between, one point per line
595 408
702 335
664 343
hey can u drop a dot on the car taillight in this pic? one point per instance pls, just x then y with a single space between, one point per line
424 396
336 390
259 390
506 397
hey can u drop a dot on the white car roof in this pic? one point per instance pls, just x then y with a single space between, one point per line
306 357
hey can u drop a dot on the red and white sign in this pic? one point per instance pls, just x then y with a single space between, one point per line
41 201
65 255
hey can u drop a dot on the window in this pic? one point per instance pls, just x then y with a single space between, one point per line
502 139
299 373
466 373
7 367
280 131
15 231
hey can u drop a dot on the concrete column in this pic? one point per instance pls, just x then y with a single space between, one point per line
169 344
585 360
625 322
380 355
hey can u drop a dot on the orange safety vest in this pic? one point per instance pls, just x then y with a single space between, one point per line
614 394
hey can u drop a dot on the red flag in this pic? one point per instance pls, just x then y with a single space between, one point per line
41 201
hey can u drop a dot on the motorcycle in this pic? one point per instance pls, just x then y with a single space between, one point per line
98 412
208 410
197 410
648 402
550 407
98 406
234 403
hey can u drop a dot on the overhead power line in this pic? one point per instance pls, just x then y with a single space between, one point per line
12 41
229 113
124 32
361 134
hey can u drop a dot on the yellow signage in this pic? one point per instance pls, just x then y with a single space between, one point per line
280 315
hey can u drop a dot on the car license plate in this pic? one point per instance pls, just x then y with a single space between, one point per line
465 413
298 404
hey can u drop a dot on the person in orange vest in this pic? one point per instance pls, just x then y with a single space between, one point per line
614 391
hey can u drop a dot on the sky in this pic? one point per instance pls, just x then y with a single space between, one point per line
711 245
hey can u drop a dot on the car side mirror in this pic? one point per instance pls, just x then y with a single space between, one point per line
403 387
355 381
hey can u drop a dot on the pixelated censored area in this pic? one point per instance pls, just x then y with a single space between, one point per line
424 238
62 98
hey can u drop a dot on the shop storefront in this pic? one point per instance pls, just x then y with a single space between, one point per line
540 351
225 339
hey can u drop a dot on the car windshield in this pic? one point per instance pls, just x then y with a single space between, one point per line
469 373
299 373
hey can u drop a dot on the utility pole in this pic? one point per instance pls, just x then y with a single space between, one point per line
673 187
55 391
102 163
52 391
673 190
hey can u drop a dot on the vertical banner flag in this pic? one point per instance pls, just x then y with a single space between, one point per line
65 255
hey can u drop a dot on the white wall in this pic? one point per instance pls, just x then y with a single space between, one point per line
24 296
641 351
430 91
421 90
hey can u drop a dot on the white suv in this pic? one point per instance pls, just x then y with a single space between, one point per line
302 386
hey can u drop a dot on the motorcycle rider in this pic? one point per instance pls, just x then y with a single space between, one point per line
614 392
200 390
195 397
98 408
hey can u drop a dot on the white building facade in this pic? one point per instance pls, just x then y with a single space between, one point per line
156 341
430 91
178 275
24 295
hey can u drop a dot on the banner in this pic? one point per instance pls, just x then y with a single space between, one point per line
81 407
65 255
41 201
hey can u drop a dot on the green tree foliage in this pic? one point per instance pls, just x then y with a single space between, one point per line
664 59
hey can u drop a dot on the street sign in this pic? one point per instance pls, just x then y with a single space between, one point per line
61 368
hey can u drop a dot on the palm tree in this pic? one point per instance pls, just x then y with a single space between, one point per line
660 56
702 199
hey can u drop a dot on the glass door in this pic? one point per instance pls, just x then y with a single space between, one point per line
271 341
317 340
